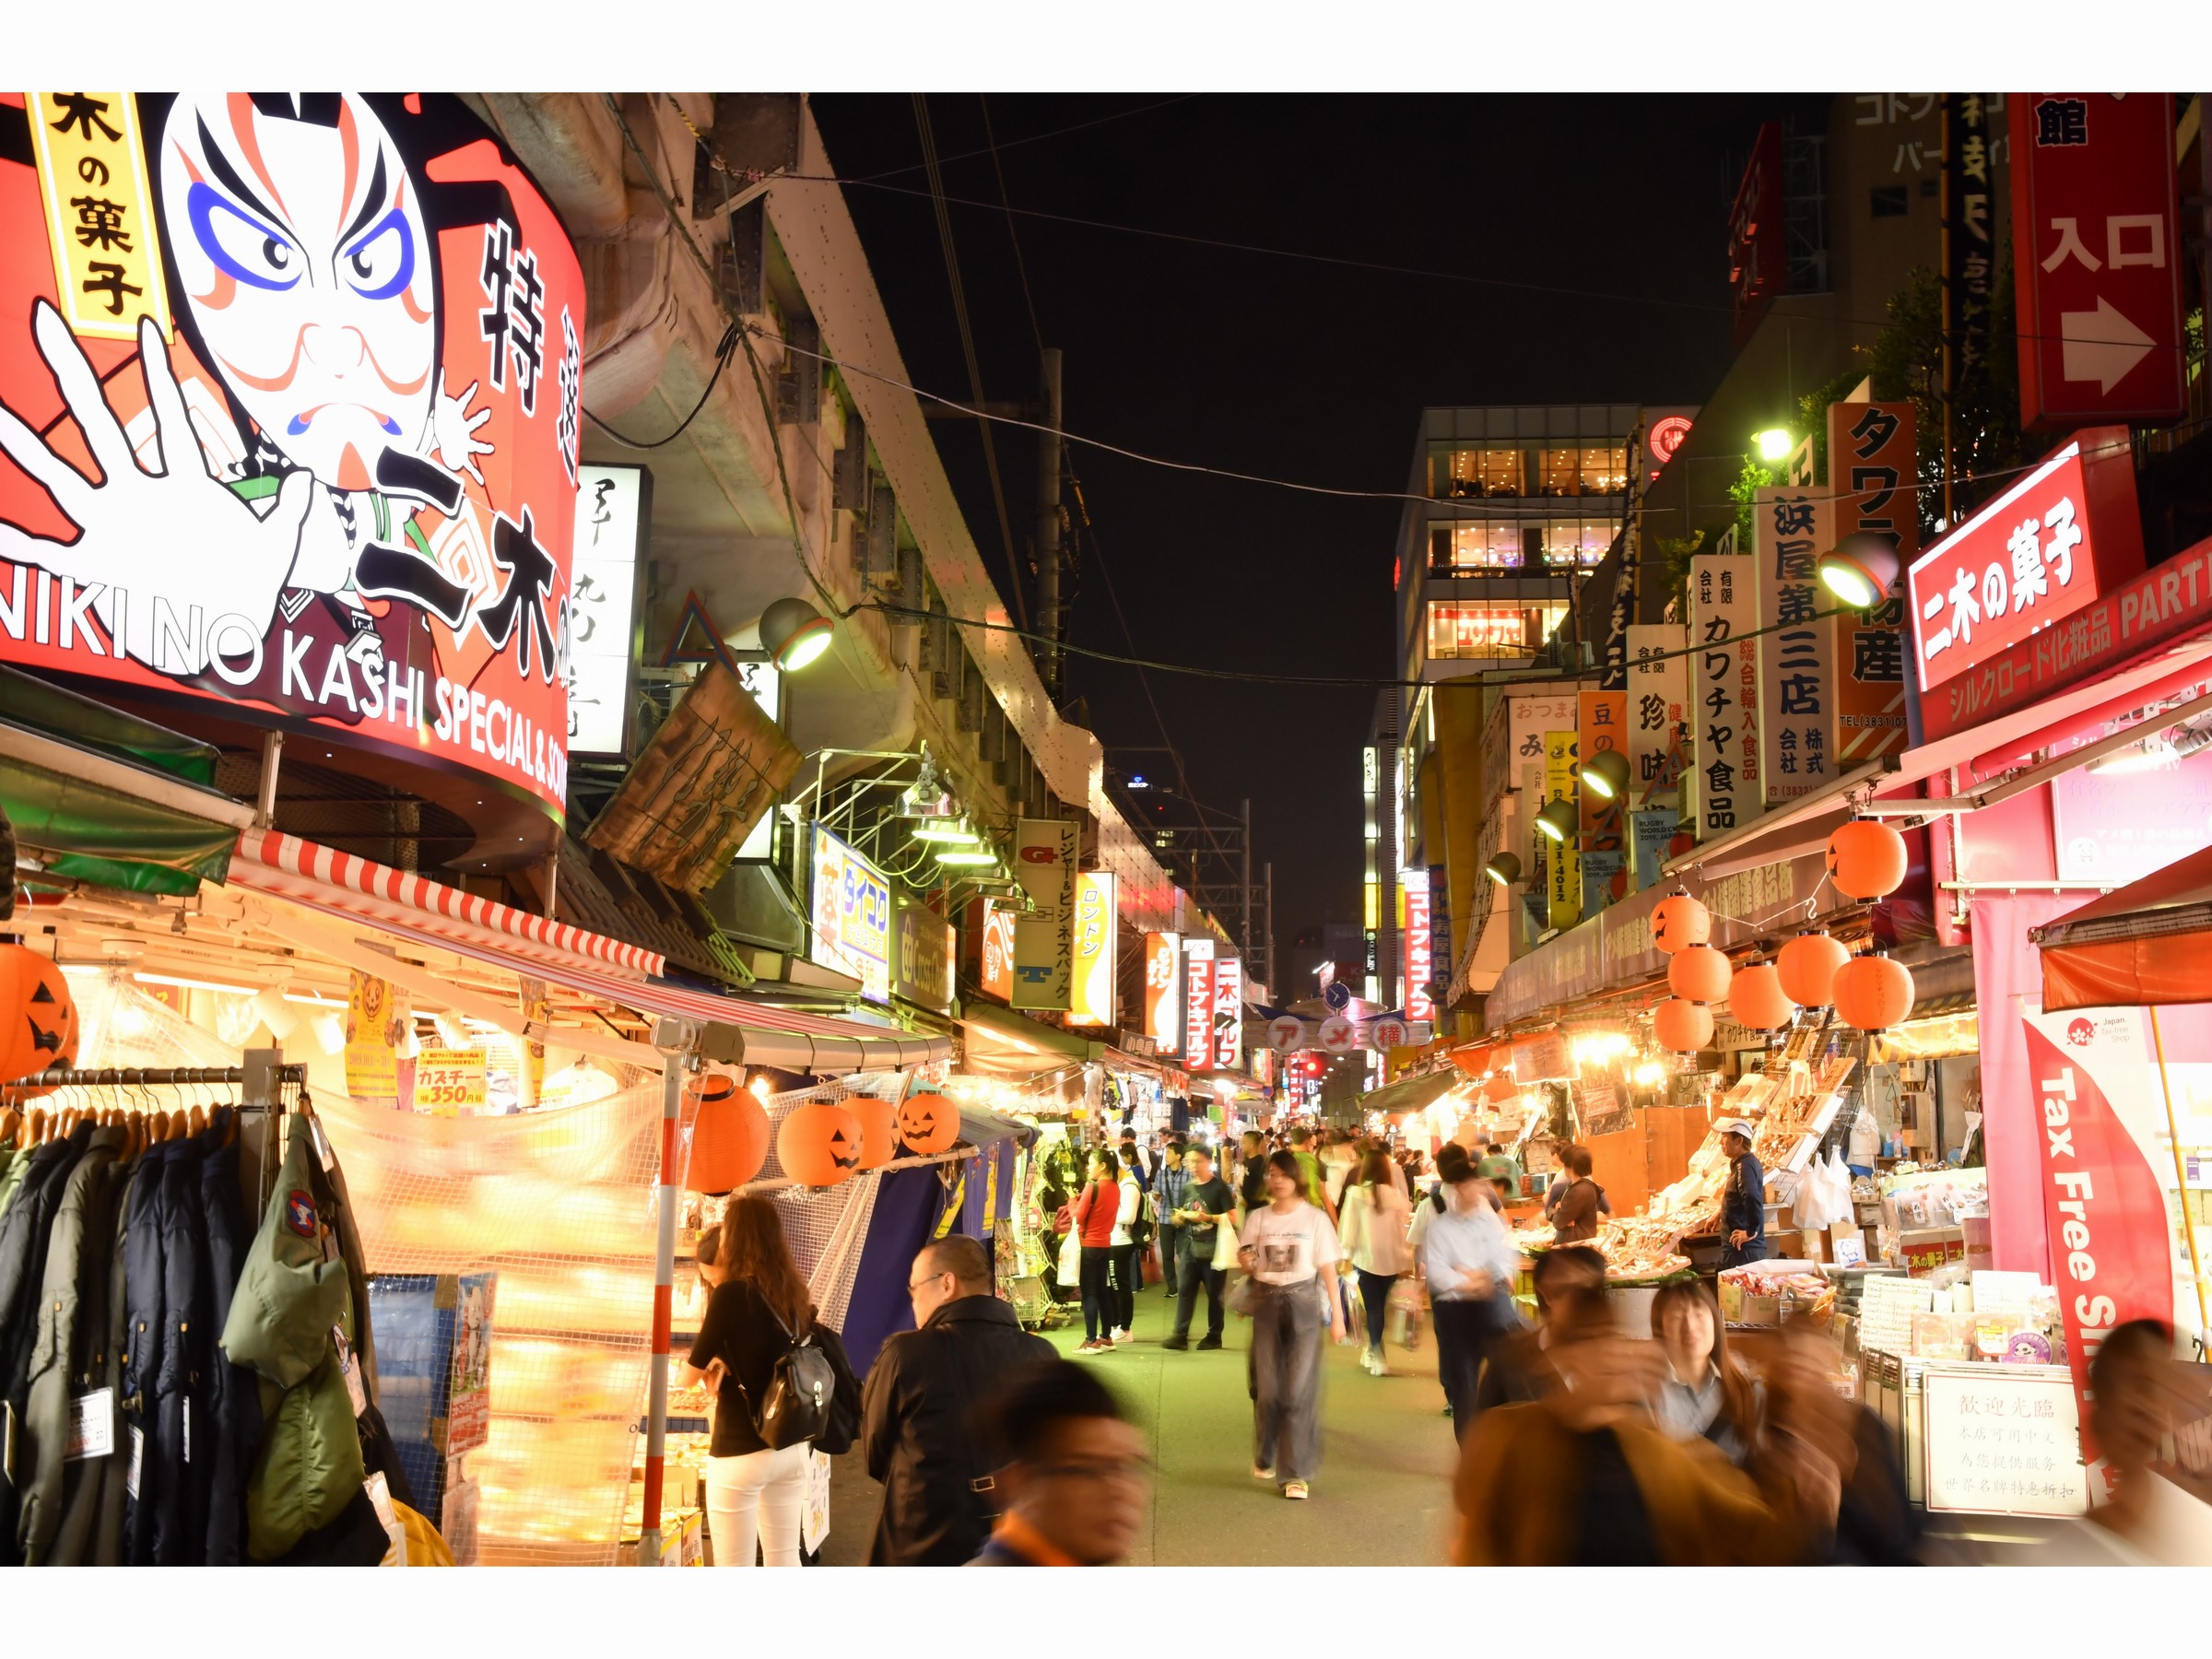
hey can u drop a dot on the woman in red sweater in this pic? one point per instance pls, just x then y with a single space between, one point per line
1096 1212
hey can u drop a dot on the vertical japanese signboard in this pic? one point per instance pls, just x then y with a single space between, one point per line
1602 724
1228 1013
851 932
1562 860
1797 661
1658 707
922 969
1420 944
613 509
1871 470
1529 717
1756 253
1046 853
1970 243
2097 258
1198 1004
1163 1002
996 968
1098 944
372 541
1725 691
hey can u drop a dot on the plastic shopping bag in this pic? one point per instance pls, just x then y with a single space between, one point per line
1071 1259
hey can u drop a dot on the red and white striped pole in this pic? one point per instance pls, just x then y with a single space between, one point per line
677 1039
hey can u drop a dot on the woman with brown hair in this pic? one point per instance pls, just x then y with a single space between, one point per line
1372 1223
759 1311
1703 1392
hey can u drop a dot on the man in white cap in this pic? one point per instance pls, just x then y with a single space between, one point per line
1744 1204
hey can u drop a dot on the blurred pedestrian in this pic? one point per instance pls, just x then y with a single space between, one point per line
2143 1398
1575 1219
1371 1224
1498 1164
1744 1202
1073 1476
1569 1285
1470 1263
1251 1173
1291 1251
916 1431
1562 1179
1872 1524
758 1312
1207 1206
1097 1206
1705 1392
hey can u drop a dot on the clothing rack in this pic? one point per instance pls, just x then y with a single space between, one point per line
133 1076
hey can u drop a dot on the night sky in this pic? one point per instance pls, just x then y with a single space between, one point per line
1286 367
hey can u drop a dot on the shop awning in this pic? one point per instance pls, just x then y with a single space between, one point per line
2148 942
101 796
1409 1094
355 890
1002 1043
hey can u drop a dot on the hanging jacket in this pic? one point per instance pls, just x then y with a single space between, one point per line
143 1324
86 1482
60 1350
233 1395
13 1165
24 1237
289 1298
179 1443
106 1546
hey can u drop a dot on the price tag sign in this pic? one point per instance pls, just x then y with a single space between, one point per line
91 1425
448 1081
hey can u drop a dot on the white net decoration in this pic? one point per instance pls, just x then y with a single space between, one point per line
560 1203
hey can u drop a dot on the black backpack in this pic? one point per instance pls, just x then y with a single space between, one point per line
801 1389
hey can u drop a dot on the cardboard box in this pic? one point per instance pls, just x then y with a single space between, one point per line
1812 1245
1846 1245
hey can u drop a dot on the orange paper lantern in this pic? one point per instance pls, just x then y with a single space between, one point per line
878 1130
1757 999
37 1016
1867 858
1871 993
729 1132
1699 973
1679 920
819 1144
1807 965
1681 1026
928 1123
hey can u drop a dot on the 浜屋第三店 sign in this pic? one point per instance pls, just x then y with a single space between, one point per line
296 380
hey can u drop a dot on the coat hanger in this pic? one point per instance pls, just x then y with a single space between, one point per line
11 1121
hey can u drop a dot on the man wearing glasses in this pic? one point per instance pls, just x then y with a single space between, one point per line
1075 1482
915 1430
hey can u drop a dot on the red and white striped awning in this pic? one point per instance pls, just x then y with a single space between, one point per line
350 888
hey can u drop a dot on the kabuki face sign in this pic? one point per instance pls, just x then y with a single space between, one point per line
289 387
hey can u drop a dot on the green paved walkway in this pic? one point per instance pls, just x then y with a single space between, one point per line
1383 1496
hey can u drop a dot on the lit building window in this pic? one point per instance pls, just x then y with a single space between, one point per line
1479 545
1455 475
1461 631
1578 541
1584 470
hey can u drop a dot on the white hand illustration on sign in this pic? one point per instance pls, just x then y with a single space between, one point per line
139 563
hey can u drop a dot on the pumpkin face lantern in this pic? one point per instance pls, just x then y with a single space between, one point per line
1867 859
37 1016
819 1144
878 1130
1678 921
928 1123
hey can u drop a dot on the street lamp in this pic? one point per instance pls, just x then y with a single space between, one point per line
1504 869
1607 772
793 633
1559 820
1773 444
1862 569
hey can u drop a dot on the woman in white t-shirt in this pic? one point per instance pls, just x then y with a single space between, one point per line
1289 1249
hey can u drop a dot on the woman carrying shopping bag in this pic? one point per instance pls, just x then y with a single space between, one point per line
1291 1251
1371 1226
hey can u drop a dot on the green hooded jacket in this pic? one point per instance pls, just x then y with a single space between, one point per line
288 1300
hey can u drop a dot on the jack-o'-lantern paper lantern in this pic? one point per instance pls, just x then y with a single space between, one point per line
1679 922
1873 993
819 1144
1699 973
729 1132
1807 965
878 1130
1681 1026
1757 999
928 1123
38 1014
1867 858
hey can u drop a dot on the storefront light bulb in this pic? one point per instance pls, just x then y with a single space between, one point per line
794 633
1606 773
1773 444
1559 820
954 831
1861 570
970 857
1504 869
